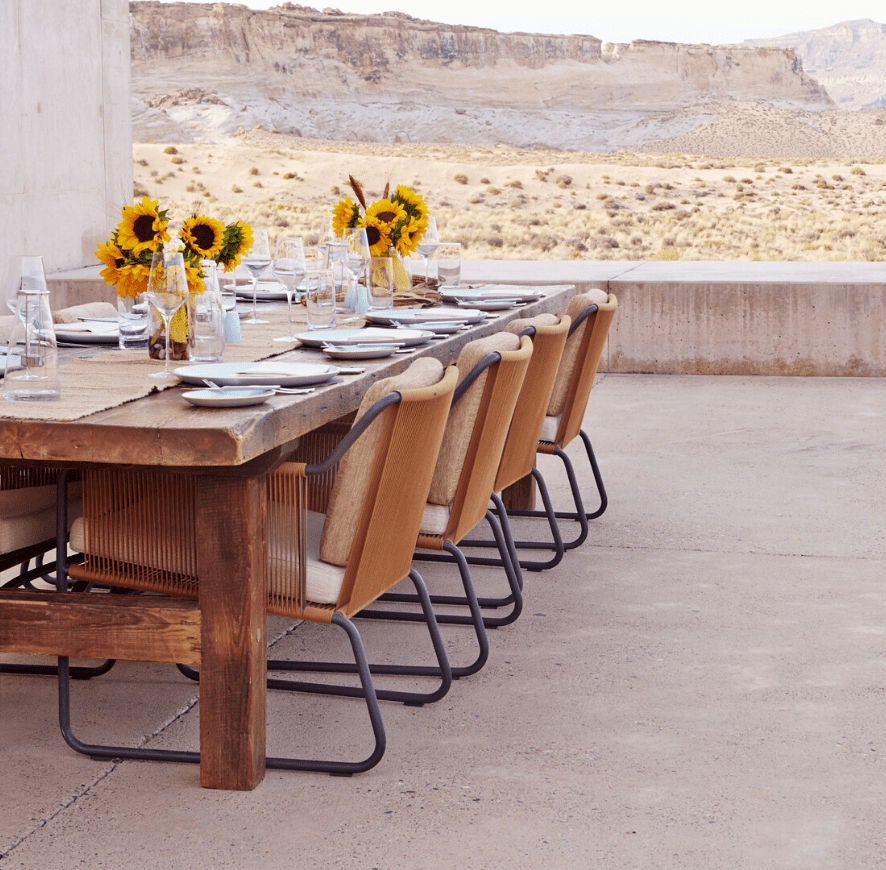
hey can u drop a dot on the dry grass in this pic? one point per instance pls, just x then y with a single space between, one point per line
504 203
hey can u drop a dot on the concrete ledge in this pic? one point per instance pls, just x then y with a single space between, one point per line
730 318
694 317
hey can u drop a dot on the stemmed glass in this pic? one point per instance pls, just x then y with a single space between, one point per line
289 269
257 259
356 256
429 243
167 292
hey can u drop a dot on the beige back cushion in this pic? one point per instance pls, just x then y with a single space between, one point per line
460 425
355 470
521 323
569 360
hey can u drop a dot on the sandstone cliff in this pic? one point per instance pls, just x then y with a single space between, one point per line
209 69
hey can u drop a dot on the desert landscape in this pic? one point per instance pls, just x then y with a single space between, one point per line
524 146
507 203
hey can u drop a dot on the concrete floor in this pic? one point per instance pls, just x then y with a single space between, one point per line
702 685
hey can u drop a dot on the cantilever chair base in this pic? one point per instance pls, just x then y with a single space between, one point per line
507 559
475 619
333 767
411 699
580 515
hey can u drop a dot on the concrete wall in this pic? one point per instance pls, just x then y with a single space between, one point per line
66 165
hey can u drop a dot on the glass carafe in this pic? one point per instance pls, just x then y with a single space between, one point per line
32 356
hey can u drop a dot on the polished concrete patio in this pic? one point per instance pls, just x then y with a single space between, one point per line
702 685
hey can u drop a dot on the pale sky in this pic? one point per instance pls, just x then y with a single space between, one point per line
624 20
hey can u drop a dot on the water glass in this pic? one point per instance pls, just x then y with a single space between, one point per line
448 258
133 321
381 283
320 299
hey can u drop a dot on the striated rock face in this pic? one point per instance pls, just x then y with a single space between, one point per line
209 69
849 59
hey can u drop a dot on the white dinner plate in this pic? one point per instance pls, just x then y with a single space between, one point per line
419 316
490 304
265 291
443 328
368 335
490 292
228 397
360 351
284 374
91 332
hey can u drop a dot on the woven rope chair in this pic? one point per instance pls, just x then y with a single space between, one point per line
385 464
548 333
494 368
28 514
591 314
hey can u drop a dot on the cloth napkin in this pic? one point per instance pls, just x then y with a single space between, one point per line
88 309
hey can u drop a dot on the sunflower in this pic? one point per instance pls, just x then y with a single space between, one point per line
378 234
205 236
237 241
132 279
114 260
143 227
344 215
409 235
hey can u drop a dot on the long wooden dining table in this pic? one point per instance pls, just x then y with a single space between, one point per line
230 452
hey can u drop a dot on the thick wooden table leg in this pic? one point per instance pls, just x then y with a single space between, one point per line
520 495
231 568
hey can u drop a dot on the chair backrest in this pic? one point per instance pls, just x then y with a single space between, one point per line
491 372
591 315
548 333
381 485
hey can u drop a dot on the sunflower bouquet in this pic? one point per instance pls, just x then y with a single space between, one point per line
144 230
394 223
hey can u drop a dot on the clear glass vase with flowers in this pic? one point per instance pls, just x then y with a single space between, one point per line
144 229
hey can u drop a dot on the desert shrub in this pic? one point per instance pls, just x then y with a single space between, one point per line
290 176
460 178
495 242
170 149
667 254
177 160
857 170
563 181
516 183
235 188
257 184
253 170
729 179
786 170
662 205
493 191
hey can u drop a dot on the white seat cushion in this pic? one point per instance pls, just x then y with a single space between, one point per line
549 428
324 580
20 528
434 519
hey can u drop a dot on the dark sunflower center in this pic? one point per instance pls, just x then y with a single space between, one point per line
119 263
386 216
372 235
204 235
143 227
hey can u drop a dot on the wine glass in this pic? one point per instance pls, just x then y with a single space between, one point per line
356 258
289 269
257 259
167 292
429 243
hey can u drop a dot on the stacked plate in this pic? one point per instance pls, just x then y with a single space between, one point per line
283 374
367 335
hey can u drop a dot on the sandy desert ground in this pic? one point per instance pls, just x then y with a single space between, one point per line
505 203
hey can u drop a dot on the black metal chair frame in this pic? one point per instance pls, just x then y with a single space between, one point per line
361 665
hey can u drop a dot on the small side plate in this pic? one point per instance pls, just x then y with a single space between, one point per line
362 351
228 397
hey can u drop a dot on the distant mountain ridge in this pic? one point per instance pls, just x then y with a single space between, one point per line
204 71
848 59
